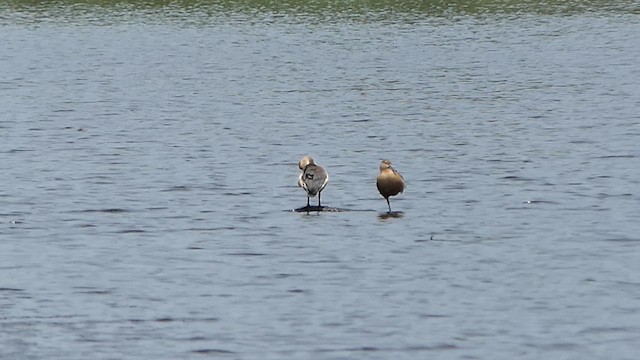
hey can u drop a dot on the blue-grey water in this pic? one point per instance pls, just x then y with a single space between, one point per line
148 168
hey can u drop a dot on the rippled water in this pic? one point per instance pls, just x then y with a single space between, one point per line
148 167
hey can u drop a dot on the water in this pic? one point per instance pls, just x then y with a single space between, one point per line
148 169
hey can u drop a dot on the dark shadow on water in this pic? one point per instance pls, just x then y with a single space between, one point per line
317 209
390 215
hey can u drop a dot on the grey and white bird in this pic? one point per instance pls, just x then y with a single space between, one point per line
389 182
312 179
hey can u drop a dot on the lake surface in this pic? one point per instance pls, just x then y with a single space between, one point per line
148 168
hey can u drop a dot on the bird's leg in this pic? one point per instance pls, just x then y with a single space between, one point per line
307 201
389 204
319 199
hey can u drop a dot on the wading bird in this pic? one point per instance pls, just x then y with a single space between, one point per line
312 179
390 182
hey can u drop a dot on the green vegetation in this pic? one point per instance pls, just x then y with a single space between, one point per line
358 10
